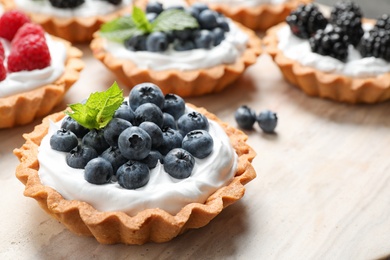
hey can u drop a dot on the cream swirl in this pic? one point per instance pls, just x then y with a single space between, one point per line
226 52
23 81
162 191
87 9
356 66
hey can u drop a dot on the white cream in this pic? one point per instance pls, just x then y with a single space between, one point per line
356 66
22 81
249 3
162 191
87 9
226 52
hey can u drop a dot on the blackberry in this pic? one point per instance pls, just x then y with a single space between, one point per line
376 44
345 6
66 3
351 24
306 20
330 43
383 22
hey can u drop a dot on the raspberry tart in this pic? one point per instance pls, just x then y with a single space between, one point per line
254 14
32 79
190 51
74 20
344 57
126 176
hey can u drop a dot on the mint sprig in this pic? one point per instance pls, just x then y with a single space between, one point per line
126 27
99 108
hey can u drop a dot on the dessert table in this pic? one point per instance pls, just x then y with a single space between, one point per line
322 189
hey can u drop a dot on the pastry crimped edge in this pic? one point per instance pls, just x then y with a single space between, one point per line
184 83
74 29
327 85
259 17
150 225
23 108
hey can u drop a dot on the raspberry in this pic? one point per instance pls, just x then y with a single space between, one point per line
3 71
26 30
2 53
330 43
31 53
306 20
10 23
66 3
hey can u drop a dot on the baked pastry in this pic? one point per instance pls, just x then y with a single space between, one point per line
74 21
187 60
36 70
168 203
337 60
254 14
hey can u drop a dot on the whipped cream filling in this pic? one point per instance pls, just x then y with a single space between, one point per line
87 9
249 3
23 81
162 191
356 66
227 52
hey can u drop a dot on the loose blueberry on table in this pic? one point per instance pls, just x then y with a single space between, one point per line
246 117
125 149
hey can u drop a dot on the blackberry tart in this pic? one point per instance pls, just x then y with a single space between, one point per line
344 57
190 51
126 178
73 20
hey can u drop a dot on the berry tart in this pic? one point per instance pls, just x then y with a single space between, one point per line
73 20
189 51
344 57
32 79
141 169
254 14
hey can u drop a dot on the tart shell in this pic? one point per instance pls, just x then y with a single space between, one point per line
259 17
23 108
184 83
327 85
150 225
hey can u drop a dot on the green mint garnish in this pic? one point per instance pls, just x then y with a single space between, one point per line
126 27
99 108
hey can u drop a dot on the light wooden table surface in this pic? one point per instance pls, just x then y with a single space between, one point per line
322 190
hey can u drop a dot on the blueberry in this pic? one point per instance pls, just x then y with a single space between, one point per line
151 17
171 139
145 93
179 163
157 42
193 11
63 140
179 45
223 24
124 112
183 34
154 7
245 117
267 121
204 39
114 156
95 139
219 36
152 159
200 7
73 126
154 131
199 143
136 43
169 121
133 175
208 19
174 105
192 121
113 129
98 171
80 156
134 143
148 112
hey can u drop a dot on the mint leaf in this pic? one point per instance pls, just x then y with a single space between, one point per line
174 19
119 29
99 108
140 20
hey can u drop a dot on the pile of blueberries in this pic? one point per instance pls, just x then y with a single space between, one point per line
65 4
150 127
246 118
211 31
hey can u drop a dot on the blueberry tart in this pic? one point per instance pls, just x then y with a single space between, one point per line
105 169
190 51
343 57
